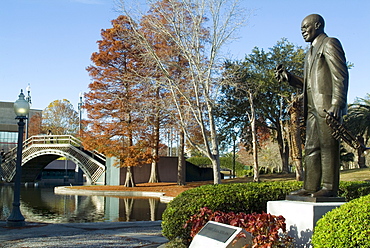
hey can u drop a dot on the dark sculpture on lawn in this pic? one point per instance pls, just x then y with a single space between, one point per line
325 86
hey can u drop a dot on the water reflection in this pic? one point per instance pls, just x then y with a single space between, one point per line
42 205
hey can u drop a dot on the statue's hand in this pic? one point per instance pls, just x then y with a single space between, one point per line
281 74
335 111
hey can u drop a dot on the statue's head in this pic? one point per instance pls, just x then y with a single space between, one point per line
312 26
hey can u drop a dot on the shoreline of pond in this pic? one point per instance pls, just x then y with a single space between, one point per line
41 204
67 190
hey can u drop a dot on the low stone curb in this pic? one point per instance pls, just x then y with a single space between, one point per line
62 190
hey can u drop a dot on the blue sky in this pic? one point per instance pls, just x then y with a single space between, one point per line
48 43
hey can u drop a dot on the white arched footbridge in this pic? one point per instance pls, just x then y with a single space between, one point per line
39 151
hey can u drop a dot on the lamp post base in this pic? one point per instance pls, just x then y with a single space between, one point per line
16 218
13 223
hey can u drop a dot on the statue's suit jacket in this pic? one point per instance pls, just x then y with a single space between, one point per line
325 76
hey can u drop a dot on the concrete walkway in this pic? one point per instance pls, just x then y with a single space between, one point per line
146 234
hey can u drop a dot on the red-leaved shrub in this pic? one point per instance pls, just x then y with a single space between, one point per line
267 230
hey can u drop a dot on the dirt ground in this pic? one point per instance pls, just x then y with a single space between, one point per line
172 189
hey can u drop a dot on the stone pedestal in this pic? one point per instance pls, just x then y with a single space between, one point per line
301 217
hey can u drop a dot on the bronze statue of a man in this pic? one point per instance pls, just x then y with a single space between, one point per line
325 86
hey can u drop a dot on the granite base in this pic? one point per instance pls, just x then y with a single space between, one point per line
301 217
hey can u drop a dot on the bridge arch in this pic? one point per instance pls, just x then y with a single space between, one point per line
39 151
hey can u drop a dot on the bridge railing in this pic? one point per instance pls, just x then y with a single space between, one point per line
59 139
52 139
8 161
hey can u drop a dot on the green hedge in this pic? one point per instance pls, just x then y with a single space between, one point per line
353 190
345 226
239 197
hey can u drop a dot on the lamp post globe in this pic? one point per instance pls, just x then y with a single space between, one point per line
21 109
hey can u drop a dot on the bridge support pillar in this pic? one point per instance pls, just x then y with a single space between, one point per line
2 177
112 173
79 176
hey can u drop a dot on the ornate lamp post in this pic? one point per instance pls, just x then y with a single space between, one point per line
234 150
21 109
78 171
80 112
28 99
234 156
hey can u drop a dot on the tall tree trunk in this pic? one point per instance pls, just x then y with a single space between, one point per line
361 158
256 176
286 156
295 138
129 182
181 166
282 148
154 172
252 119
360 153
155 152
215 153
216 169
154 166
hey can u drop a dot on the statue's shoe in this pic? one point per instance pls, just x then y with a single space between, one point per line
301 192
323 193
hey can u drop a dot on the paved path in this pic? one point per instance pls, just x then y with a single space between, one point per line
99 234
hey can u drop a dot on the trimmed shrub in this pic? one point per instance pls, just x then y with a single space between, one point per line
247 173
176 243
239 197
353 190
345 226
200 161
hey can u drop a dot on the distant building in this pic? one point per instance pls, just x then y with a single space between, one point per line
167 172
9 126
59 172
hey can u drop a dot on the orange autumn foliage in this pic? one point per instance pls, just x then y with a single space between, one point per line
117 125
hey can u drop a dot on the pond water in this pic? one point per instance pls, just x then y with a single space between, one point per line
42 205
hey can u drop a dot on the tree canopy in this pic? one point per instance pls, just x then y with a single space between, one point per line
357 119
254 77
169 53
117 104
60 118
